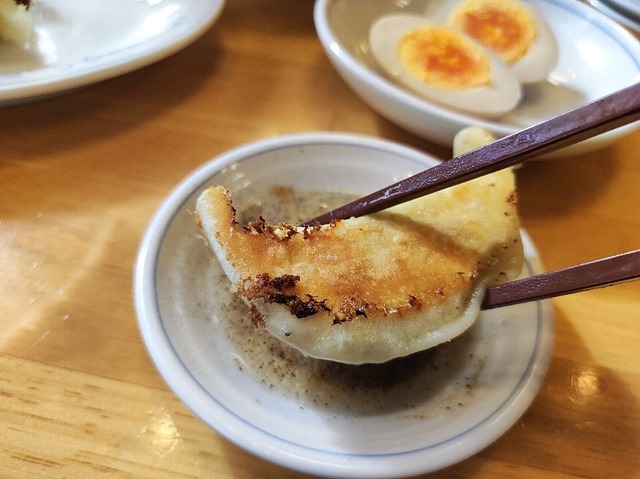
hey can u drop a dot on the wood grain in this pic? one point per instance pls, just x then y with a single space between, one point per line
81 175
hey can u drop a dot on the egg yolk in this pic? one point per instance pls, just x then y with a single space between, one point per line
443 58
503 26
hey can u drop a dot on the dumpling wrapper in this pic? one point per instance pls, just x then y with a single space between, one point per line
378 287
16 21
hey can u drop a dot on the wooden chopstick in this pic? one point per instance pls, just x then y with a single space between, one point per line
607 113
581 277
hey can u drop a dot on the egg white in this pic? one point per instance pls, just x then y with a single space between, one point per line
501 95
542 56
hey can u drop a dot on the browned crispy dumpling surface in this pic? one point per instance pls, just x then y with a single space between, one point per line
370 289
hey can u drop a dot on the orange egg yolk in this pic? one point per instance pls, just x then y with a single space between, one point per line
443 58
503 26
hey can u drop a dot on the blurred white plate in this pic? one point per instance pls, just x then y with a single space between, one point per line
597 57
450 404
79 42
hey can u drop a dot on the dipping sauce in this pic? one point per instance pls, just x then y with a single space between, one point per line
417 386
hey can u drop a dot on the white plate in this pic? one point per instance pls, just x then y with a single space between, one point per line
79 42
459 398
591 47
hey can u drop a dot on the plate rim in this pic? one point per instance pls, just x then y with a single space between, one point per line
617 13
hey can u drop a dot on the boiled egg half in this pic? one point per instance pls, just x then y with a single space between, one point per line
511 29
443 65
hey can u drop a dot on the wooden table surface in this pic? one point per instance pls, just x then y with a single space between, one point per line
81 176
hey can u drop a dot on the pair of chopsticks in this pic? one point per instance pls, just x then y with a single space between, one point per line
600 116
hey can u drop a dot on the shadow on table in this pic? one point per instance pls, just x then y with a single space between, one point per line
553 187
87 115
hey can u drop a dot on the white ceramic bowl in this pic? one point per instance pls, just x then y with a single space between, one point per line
591 47
436 416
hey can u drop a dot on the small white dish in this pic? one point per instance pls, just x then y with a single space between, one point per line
591 46
76 43
453 400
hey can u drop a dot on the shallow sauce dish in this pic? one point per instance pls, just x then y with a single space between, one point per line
591 46
451 401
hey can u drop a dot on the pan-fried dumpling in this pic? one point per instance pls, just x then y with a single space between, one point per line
370 289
